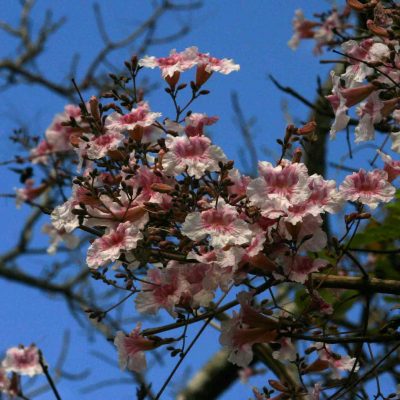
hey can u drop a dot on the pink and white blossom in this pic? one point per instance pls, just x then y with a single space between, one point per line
240 183
212 64
323 198
278 187
298 268
369 188
245 329
303 29
360 54
196 122
56 237
111 245
57 135
23 360
131 349
29 192
336 362
137 117
98 146
62 217
178 285
325 33
370 114
194 155
174 63
221 223
392 167
339 106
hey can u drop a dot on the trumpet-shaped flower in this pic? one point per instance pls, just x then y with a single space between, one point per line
111 245
222 223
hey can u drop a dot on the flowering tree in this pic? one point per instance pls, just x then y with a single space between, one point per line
175 226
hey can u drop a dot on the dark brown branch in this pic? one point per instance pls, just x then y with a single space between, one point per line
372 285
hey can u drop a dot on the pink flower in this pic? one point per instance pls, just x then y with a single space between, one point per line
131 349
298 268
324 194
178 285
163 290
368 188
303 29
140 116
111 245
142 182
278 187
23 360
335 361
62 217
194 154
174 63
323 198
326 32
370 114
343 98
222 223
212 64
56 237
57 135
196 122
99 146
287 351
392 168
245 329
360 54
309 226
38 154
240 183
29 192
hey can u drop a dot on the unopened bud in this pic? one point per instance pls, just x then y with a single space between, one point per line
377 30
354 216
356 5
277 385
308 128
297 154
161 187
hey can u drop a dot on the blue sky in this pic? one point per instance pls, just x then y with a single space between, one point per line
253 33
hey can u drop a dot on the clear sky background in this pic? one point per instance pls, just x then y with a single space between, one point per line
252 32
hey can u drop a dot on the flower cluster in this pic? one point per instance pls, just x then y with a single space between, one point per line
180 224
371 76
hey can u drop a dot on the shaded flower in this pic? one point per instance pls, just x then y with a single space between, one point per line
131 349
298 268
